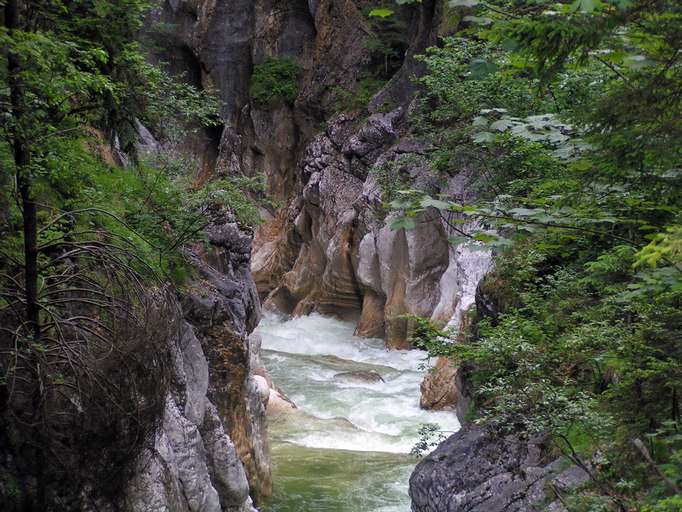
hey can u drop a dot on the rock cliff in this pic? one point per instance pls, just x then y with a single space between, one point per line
331 165
211 450
328 248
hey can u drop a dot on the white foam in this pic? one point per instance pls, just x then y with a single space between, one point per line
382 416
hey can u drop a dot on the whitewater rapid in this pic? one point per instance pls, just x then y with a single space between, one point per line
356 433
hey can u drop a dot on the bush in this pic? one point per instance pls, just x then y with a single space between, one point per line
275 82
349 100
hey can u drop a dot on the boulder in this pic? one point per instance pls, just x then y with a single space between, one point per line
440 388
475 470
279 403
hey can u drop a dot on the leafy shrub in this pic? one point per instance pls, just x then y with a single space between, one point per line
348 100
275 82
230 193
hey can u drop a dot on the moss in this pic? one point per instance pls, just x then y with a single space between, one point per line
352 100
450 20
275 81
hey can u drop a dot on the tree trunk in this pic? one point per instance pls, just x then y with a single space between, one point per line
22 160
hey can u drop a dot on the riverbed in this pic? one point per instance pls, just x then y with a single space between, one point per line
347 446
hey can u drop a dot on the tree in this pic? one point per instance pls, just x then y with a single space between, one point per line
568 117
87 323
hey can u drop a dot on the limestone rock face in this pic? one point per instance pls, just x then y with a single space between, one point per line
350 263
440 388
307 257
224 308
211 449
475 472
194 465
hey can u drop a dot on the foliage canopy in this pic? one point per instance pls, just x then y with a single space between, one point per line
568 117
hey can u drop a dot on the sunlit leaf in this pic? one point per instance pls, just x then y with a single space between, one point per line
463 3
585 6
381 13
478 20
434 203
484 237
638 62
481 68
458 240
484 137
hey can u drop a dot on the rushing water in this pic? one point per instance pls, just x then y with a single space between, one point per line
346 448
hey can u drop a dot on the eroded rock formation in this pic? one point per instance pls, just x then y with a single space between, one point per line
211 450
328 248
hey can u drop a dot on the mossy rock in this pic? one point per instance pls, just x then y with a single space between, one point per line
275 82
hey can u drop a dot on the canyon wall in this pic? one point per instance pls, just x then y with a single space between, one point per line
329 247
211 450
331 165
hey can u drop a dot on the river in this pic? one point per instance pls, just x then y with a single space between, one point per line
347 446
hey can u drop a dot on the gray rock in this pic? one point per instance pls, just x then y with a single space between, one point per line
175 475
475 471
194 466
147 143
188 455
195 369
227 473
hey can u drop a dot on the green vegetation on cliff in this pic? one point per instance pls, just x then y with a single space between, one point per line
568 117
275 82
91 234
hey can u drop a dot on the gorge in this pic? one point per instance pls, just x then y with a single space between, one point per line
340 256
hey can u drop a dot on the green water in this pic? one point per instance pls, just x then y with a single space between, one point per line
314 479
347 446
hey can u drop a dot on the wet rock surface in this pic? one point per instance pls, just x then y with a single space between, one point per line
347 261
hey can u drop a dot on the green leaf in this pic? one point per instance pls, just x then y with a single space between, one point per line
485 237
434 203
478 20
463 3
484 137
458 240
479 121
481 68
381 13
502 242
510 45
403 223
524 212
585 6
503 124
638 62
399 204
